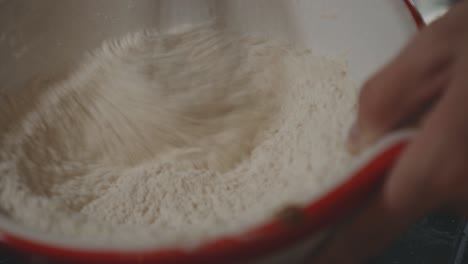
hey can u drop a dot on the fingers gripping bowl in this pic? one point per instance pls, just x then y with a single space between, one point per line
367 33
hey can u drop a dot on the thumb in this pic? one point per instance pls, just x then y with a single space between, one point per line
402 88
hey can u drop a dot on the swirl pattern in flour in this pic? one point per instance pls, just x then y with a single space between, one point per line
174 138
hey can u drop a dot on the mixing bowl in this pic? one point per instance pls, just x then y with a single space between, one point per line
41 40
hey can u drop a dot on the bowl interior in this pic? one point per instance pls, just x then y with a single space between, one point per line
41 39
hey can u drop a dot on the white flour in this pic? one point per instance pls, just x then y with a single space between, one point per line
174 139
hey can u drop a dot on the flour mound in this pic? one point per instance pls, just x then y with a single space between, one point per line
174 139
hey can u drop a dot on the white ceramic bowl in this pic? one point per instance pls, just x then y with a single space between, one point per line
43 38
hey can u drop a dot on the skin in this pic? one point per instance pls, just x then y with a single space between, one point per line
426 86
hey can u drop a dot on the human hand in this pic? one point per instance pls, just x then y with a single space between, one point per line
428 80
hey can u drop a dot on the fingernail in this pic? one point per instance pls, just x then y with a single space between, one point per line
353 138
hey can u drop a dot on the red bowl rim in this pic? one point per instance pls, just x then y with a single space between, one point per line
277 234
